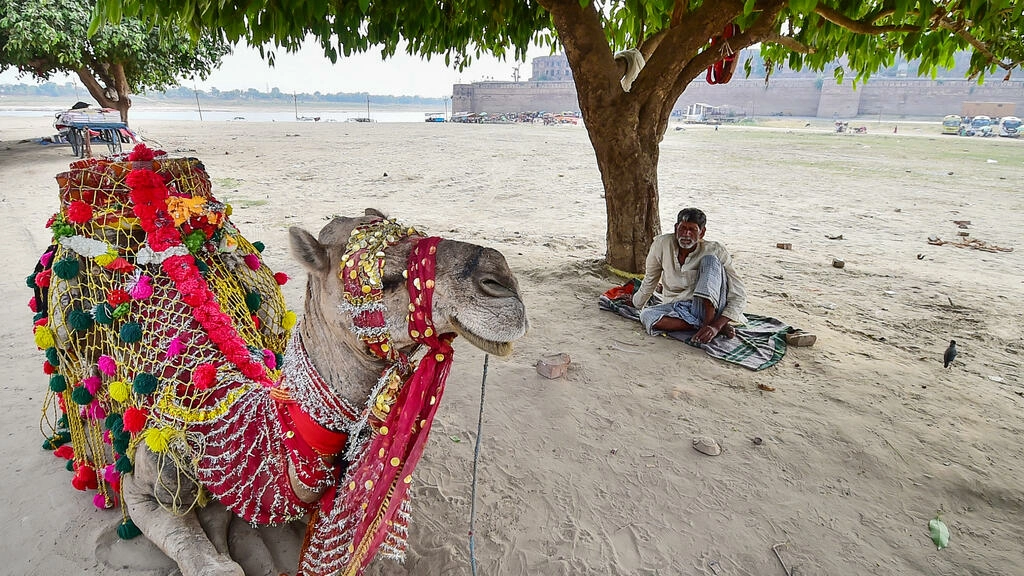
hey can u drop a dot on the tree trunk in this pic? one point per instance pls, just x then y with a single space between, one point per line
121 103
628 160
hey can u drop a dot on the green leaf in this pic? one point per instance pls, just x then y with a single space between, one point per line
939 532
748 7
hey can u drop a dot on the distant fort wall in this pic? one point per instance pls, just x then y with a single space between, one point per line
807 97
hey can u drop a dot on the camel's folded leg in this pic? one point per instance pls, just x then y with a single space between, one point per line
180 537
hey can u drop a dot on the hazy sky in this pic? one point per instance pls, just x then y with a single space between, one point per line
309 71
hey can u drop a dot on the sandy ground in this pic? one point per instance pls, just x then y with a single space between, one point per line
865 437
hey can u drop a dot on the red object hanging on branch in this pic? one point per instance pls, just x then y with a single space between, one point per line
721 72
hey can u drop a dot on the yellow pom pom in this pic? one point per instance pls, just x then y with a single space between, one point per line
289 320
44 337
228 210
104 259
118 390
156 440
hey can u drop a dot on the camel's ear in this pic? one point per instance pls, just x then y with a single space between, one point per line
310 253
374 212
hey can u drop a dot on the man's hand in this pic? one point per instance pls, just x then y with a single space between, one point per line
705 334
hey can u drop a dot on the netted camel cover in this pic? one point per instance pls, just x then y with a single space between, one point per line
157 319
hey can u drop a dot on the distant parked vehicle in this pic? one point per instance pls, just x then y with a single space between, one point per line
980 122
1010 127
434 117
951 124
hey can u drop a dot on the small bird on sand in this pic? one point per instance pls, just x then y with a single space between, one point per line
949 355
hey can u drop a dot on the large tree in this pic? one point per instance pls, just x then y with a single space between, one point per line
674 37
43 37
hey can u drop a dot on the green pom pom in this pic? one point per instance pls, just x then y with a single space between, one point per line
120 444
144 383
79 320
114 423
103 313
70 466
51 356
121 310
280 359
259 246
66 268
253 300
131 332
58 383
39 316
194 241
121 434
124 465
203 268
128 530
81 396
31 281
57 440
62 422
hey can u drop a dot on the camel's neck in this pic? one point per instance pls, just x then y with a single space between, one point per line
344 364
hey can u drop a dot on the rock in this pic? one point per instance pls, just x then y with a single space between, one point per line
838 263
963 233
784 245
553 366
706 445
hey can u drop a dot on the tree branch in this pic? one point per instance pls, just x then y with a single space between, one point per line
788 42
95 89
595 71
858 26
978 45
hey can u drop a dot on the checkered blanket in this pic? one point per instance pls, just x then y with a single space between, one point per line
759 344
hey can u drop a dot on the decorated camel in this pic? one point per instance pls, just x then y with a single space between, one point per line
184 391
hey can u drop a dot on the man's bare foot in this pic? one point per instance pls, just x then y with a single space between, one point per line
728 331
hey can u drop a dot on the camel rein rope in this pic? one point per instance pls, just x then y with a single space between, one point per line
476 460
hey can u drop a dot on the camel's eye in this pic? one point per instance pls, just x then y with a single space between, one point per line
392 281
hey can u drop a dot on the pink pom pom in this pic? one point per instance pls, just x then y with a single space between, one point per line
107 365
110 474
95 411
269 359
281 278
33 304
101 502
252 261
45 259
92 384
107 438
175 347
141 289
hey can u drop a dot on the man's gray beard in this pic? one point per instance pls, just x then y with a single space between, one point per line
688 245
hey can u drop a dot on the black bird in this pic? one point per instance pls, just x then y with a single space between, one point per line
950 354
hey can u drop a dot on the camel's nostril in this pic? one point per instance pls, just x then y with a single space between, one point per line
492 287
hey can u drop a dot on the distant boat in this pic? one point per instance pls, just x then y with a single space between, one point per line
434 117
360 120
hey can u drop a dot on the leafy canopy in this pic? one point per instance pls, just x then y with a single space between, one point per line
805 33
42 37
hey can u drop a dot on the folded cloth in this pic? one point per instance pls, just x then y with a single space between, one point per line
758 344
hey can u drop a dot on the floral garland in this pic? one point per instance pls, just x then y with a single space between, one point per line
150 196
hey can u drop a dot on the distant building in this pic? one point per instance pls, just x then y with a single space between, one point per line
896 92
551 69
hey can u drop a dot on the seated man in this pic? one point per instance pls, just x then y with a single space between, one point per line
700 288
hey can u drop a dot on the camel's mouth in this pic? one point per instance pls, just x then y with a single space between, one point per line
489 346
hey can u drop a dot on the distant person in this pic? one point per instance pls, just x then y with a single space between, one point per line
700 289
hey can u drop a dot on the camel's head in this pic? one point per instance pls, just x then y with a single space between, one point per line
475 293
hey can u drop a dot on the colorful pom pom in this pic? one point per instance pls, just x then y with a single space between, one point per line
40 318
281 278
48 368
81 396
121 310
70 466
107 365
117 296
103 313
66 268
253 300
288 320
252 261
52 357
102 501
144 383
134 420
259 246
114 422
142 288
66 452
46 258
128 530
33 304
91 383
118 391
279 358
79 320
123 464
269 359
156 440
79 212
131 332
105 259
85 478
175 347
110 474
202 267
204 376
120 443
58 383
256 321
30 281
